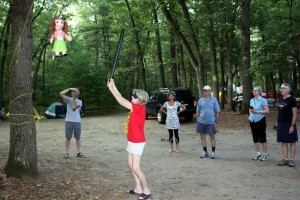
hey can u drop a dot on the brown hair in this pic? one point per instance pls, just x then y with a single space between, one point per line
64 29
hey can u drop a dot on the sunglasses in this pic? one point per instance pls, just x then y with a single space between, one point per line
135 96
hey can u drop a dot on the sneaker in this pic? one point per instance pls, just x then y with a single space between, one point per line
213 155
257 157
283 162
265 157
292 163
204 155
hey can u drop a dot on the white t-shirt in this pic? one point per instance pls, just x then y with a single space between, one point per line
73 115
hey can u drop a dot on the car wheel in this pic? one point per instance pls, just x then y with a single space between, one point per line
188 118
160 117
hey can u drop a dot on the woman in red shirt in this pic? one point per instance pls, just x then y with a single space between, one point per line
135 135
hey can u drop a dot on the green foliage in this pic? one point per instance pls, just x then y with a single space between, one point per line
95 27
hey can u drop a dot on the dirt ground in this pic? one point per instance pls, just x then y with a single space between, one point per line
103 174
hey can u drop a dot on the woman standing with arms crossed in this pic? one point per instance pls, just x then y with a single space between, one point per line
135 135
258 110
170 108
286 125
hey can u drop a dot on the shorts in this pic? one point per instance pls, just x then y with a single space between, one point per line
73 127
136 148
205 128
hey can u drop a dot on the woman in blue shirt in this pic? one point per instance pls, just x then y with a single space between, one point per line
258 110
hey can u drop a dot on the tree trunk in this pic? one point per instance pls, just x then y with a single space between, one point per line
4 38
222 66
159 52
182 67
247 83
22 159
138 45
37 68
194 57
173 60
213 51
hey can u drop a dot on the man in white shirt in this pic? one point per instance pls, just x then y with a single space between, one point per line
73 119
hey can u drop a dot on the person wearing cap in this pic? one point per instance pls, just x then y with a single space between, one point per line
208 110
258 110
134 129
172 109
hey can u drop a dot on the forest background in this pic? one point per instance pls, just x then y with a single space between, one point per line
166 44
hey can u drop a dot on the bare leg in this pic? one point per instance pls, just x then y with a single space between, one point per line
264 147
138 187
212 140
284 149
203 139
257 147
177 147
292 150
136 159
67 144
78 144
171 147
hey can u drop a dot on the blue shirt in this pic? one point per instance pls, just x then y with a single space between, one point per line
207 109
259 106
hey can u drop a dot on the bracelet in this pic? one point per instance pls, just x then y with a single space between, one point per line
293 124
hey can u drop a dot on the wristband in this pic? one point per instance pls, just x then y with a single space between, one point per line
293 124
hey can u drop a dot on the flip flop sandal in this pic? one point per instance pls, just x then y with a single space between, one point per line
66 156
80 155
144 196
132 192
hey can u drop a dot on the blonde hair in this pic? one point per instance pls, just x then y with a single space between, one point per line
143 96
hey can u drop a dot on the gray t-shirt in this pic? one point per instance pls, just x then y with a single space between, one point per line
73 115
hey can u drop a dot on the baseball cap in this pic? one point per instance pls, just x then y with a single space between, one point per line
206 87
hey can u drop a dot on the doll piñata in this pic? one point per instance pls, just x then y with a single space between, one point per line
59 30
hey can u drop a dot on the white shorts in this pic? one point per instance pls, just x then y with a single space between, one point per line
136 148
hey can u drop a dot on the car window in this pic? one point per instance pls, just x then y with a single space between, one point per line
183 93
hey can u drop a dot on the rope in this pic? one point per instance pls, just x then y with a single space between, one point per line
22 32
36 116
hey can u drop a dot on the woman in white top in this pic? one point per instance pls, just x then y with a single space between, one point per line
172 108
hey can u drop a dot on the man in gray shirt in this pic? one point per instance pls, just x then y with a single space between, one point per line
73 119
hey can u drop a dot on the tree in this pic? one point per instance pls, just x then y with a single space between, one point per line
194 56
22 158
4 37
247 86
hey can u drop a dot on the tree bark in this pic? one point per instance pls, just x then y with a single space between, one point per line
247 79
22 159
213 51
194 57
222 67
138 45
4 38
173 60
182 67
159 51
